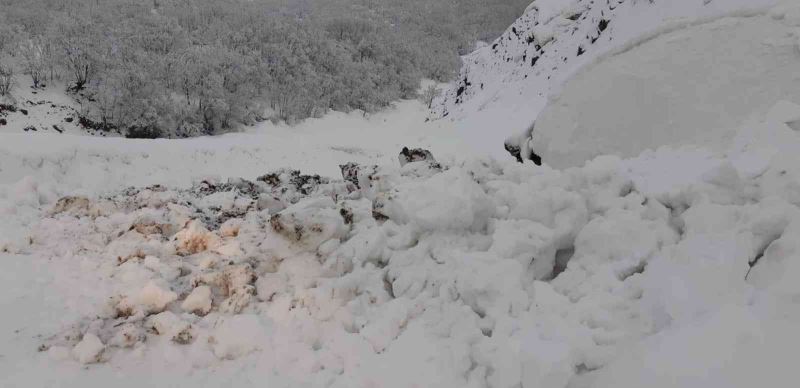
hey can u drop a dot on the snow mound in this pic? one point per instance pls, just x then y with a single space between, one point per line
502 87
684 87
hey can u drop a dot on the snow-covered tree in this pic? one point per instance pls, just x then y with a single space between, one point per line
203 66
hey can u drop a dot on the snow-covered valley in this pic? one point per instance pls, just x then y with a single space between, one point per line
321 255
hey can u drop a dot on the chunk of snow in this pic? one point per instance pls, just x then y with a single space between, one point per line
154 298
450 200
170 325
195 238
198 301
270 284
127 335
310 222
89 350
229 249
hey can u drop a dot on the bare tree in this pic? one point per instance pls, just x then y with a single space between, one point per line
32 51
79 61
6 79
429 95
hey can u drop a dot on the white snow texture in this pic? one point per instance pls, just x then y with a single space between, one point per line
666 255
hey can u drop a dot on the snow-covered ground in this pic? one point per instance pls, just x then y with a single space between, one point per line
152 263
621 273
480 273
36 168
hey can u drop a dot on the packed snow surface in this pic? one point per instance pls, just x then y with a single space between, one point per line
208 262
674 268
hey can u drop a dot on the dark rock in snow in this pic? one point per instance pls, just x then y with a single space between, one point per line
304 184
143 132
7 108
602 25
88 123
415 155
521 148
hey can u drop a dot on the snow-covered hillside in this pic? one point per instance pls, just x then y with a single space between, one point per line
503 86
328 255
47 109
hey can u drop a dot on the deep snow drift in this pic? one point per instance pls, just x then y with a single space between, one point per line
692 86
675 268
504 85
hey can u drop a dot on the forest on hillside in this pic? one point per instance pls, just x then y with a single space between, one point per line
175 68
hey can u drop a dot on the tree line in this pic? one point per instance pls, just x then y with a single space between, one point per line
176 68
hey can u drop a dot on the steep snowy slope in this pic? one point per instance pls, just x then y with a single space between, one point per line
503 86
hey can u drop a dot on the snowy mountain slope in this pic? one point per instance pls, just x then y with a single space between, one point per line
46 109
503 86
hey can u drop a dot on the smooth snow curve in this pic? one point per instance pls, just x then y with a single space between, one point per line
503 86
692 86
